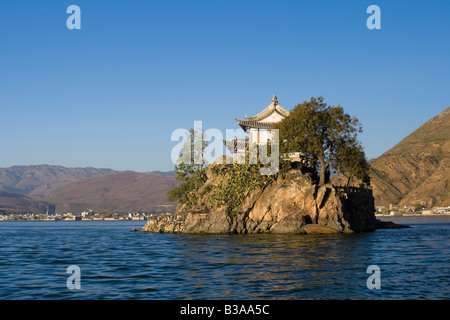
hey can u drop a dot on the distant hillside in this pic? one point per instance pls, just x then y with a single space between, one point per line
19 203
36 180
125 191
37 188
416 170
164 174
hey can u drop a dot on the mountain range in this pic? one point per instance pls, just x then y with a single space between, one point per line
42 188
36 180
125 191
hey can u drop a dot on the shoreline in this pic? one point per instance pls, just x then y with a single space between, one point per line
113 219
69 220
414 215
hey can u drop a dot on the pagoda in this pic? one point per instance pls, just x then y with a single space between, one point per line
258 127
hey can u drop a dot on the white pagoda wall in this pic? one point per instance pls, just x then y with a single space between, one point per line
264 135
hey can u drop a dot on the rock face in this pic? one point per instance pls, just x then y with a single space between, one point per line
293 204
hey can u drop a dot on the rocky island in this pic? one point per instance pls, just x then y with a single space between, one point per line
289 204
243 194
235 196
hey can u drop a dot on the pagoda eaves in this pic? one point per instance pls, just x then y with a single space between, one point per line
266 118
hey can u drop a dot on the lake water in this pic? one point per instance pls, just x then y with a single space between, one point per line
118 264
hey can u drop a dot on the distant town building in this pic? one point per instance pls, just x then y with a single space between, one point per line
443 209
393 207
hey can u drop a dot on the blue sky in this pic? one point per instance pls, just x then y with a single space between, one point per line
110 95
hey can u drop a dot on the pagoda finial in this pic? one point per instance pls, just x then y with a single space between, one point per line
275 100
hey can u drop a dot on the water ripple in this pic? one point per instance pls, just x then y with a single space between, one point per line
118 264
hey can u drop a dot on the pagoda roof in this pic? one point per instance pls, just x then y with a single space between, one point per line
258 120
254 124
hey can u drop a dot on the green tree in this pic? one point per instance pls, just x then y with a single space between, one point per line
326 133
351 162
191 169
